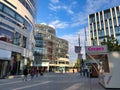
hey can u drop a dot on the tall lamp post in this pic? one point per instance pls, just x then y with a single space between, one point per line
78 50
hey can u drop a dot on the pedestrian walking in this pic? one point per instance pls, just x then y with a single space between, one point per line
37 73
32 73
73 70
25 73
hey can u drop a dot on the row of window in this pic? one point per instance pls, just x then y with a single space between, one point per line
107 15
106 24
8 26
14 38
28 7
101 32
13 14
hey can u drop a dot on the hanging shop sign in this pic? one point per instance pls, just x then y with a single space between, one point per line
77 49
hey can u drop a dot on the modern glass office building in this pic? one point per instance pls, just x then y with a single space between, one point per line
49 48
103 24
16 38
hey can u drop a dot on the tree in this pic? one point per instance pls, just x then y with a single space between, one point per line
78 63
111 43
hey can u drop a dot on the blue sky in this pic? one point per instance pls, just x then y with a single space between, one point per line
69 17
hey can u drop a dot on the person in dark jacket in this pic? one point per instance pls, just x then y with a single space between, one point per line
25 73
32 72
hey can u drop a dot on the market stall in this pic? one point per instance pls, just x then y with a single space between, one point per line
105 64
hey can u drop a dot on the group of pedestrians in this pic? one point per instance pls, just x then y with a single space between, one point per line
32 72
85 71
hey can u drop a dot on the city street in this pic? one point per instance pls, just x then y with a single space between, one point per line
52 81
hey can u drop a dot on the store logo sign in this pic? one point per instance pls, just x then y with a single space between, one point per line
96 48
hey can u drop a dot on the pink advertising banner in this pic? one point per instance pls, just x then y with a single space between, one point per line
96 49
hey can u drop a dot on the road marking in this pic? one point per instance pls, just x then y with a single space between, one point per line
74 87
9 83
33 85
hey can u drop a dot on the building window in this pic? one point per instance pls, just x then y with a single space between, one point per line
19 18
115 23
101 18
95 33
92 19
118 38
101 40
6 35
17 37
7 26
118 12
24 42
97 17
107 15
98 25
113 12
110 22
9 12
101 33
111 31
119 20
117 30
107 32
102 25
106 23
1 6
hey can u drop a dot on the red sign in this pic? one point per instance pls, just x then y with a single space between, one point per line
80 56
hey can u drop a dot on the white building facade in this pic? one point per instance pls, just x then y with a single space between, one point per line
104 24
16 38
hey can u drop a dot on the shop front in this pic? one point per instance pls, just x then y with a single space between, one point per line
105 64
97 57
5 58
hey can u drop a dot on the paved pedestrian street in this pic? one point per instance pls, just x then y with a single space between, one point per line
52 81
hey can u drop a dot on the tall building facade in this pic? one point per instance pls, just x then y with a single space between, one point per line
16 35
47 48
62 61
103 24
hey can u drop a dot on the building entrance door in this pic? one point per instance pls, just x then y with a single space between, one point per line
3 68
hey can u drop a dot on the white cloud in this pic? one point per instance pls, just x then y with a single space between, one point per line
55 1
51 26
90 7
58 24
79 19
43 23
93 5
67 8
54 7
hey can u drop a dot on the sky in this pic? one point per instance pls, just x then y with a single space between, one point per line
70 18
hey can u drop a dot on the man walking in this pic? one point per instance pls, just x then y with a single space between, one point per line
25 73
